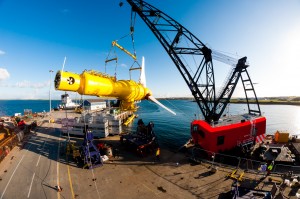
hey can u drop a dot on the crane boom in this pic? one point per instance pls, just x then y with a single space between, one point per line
178 42
161 24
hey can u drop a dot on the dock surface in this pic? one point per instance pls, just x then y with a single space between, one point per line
35 169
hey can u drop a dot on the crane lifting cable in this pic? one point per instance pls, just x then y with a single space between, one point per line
132 55
115 57
132 23
115 42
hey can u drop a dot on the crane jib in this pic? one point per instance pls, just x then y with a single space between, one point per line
170 33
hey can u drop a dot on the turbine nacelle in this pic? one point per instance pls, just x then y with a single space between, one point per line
97 84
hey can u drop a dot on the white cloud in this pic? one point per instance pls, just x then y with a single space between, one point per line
28 84
2 52
123 65
3 73
40 85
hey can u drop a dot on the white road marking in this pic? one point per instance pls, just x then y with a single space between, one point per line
37 163
14 172
41 152
30 185
11 177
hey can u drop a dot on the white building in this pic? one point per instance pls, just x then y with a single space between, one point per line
94 105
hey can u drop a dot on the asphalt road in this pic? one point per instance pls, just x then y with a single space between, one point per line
31 172
35 170
40 165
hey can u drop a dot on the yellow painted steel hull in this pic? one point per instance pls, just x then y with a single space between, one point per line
101 85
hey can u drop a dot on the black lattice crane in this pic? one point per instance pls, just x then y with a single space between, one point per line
179 42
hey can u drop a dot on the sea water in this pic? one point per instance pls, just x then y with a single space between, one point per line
10 107
174 130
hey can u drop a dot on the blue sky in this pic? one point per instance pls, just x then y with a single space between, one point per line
35 36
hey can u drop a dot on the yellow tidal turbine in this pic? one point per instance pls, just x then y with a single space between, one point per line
102 85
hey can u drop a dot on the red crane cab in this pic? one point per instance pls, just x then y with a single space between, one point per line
229 132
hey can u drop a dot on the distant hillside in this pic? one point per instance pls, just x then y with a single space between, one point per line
175 98
290 100
271 100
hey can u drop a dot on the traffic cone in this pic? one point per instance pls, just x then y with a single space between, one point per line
59 188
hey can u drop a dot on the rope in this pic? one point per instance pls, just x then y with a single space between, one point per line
89 159
68 140
177 108
94 179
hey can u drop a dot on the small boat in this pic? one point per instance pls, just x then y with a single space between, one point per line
67 103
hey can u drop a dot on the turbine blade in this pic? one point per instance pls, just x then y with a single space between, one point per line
143 75
64 64
160 104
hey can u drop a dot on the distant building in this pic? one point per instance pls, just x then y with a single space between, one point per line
27 111
94 104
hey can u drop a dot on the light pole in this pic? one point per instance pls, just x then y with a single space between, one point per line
50 71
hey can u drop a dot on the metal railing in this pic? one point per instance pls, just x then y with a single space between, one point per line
234 162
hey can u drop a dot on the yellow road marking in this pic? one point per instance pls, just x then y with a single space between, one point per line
70 180
58 195
57 165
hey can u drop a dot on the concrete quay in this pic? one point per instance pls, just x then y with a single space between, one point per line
35 168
